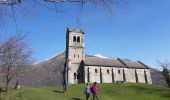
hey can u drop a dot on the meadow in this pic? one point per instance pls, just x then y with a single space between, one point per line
117 91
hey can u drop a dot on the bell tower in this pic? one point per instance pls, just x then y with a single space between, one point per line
74 54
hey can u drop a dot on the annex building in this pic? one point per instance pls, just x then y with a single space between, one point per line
82 68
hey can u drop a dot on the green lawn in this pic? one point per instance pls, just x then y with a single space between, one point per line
106 92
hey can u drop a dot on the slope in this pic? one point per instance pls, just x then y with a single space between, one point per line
106 92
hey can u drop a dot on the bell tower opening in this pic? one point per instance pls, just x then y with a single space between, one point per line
74 38
78 39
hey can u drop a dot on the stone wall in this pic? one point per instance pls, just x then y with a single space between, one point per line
130 76
118 74
94 74
77 72
86 74
107 74
101 74
140 75
72 73
148 76
74 55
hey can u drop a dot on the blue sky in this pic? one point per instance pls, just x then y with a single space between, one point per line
140 32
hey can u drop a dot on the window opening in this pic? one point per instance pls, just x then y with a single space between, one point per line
108 71
78 39
95 70
74 38
75 76
118 71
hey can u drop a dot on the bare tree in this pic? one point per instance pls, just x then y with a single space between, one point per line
165 70
10 7
14 56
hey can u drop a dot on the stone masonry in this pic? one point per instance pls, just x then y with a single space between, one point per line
81 68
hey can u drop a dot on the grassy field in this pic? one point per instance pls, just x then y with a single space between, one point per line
106 92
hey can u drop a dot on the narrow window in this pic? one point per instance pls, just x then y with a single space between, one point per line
78 55
95 70
118 71
78 75
75 76
78 39
108 71
74 55
74 38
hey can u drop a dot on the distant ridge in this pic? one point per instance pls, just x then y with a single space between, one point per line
157 77
49 73
45 73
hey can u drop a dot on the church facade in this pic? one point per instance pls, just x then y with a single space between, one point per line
82 68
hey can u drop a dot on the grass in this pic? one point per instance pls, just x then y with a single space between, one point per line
106 92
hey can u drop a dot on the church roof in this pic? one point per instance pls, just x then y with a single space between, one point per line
106 62
132 64
112 62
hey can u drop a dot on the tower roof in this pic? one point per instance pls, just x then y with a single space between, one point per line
74 30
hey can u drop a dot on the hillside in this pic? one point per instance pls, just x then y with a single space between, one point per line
46 73
106 92
157 77
49 73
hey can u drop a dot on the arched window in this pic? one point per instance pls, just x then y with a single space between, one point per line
74 38
78 39
75 76
118 71
74 55
107 71
95 70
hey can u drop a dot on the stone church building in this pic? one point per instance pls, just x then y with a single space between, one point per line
82 68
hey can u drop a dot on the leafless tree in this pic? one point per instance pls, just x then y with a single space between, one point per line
165 70
163 64
23 7
14 56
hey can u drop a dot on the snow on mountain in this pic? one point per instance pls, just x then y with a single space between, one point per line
100 56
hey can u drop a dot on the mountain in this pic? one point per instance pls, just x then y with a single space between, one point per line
49 73
100 56
157 77
46 73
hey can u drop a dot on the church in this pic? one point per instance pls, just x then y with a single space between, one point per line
82 68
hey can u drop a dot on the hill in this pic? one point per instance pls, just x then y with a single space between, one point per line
157 77
106 92
45 73
49 73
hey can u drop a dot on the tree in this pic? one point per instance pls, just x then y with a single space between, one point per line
14 56
10 7
165 70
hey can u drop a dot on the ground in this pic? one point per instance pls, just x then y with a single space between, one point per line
119 91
